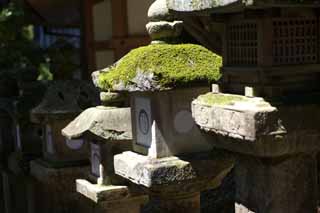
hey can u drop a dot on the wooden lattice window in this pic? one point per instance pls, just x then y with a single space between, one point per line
242 43
295 41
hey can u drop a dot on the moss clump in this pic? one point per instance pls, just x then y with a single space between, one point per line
169 66
220 99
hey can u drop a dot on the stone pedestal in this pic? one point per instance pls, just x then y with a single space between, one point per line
186 203
110 198
55 189
277 185
174 183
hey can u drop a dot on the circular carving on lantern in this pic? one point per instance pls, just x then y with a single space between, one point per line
144 125
183 121
75 144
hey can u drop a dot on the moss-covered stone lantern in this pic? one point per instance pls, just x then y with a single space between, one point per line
62 102
162 80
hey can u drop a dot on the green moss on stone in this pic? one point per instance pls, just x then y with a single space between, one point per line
220 99
171 65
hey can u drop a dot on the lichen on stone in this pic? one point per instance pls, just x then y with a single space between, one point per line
220 99
161 67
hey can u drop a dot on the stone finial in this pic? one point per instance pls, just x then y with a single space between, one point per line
159 11
162 27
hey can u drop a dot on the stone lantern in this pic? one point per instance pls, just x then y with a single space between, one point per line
63 160
22 144
107 130
271 51
62 102
162 80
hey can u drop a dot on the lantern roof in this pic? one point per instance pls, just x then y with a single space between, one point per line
160 67
107 123
232 6
65 98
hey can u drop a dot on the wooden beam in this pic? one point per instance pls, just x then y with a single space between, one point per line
88 39
119 18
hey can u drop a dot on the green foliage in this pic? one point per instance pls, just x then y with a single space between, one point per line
20 56
44 72
171 66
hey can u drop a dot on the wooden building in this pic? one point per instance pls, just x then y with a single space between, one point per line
109 28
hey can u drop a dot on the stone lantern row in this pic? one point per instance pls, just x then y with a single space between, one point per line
161 134
134 151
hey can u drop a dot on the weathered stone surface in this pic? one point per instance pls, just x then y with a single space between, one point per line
159 11
260 130
173 171
220 199
59 151
113 99
129 205
101 193
65 98
276 185
188 204
238 117
56 189
163 125
147 172
111 198
164 29
196 5
105 122
227 6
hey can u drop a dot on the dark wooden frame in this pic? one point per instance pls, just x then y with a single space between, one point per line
121 42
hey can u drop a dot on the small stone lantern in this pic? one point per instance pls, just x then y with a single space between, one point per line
107 130
62 102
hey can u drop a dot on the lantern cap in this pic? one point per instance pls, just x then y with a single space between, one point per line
65 98
109 123
160 67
